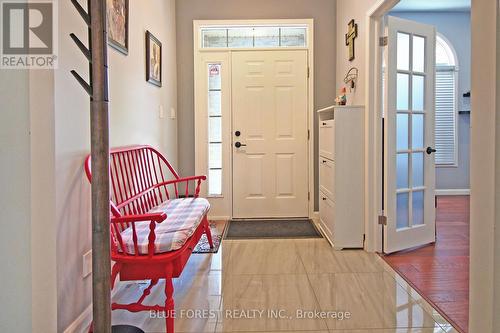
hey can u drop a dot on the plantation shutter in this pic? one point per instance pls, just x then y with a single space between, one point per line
445 135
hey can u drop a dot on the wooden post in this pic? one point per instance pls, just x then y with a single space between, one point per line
99 123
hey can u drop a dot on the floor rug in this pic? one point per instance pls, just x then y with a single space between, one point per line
252 229
217 228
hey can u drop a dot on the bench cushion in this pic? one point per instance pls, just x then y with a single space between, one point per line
183 217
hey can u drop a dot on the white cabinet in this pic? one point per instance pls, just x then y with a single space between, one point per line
326 214
327 132
327 176
341 175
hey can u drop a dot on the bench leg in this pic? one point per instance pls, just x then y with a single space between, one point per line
208 232
169 305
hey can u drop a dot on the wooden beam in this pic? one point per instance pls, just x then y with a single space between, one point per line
99 122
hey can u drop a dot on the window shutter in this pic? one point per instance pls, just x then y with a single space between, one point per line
445 119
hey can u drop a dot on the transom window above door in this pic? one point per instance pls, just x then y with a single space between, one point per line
254 36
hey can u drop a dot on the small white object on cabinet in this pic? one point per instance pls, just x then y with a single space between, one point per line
341 175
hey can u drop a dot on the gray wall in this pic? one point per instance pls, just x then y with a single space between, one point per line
456 28
134 119
322 11
27 240
15 238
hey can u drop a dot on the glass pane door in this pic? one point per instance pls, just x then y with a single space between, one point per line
410 92
409 173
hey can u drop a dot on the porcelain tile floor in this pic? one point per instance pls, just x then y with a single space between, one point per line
286 286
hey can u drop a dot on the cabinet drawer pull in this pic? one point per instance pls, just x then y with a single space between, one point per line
324 161
324 199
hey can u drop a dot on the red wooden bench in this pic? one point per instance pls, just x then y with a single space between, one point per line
155 222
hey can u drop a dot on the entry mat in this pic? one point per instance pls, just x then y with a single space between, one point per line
255 229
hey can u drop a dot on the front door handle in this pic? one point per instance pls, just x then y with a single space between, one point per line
430 150
239 145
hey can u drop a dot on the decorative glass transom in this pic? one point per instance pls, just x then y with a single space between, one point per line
254 37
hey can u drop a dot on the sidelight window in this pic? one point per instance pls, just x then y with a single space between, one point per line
214 129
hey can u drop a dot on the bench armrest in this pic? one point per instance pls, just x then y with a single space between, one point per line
195 179
182 180
155 217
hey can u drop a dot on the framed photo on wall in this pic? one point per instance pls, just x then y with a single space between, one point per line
153 60
118 17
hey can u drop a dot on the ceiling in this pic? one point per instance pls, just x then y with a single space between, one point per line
433 5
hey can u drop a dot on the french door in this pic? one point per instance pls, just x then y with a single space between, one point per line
409 136
270 128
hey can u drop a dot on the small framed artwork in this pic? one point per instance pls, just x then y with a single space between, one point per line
153 59
118 14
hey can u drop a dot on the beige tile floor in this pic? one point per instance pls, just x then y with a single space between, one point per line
264 286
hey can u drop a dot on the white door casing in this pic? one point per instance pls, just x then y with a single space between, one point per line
221 205
410 170
270 110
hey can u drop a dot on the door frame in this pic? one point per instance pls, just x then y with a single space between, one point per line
486 93
374 135
221 206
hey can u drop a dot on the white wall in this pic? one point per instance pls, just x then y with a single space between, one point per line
496 247
44 138
346 11
134 119
456 27
43 220
485 166
27 244
485 151
15 201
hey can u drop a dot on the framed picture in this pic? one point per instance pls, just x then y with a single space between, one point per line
118 13
153 59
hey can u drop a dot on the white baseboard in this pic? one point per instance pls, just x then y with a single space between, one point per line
82 323
453 192
323 233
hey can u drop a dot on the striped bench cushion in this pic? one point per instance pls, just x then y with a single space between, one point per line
183 217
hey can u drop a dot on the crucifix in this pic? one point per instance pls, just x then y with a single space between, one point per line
351 34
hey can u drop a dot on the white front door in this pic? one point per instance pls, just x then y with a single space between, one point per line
410 167
270 134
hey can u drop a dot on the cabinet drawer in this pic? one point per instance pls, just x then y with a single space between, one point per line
327 212
327 176
327 138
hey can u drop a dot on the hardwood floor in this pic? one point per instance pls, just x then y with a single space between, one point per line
440 272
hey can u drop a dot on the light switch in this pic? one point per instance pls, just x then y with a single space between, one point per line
161 112
173 114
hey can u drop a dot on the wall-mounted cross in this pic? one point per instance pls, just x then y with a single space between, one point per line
351 34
